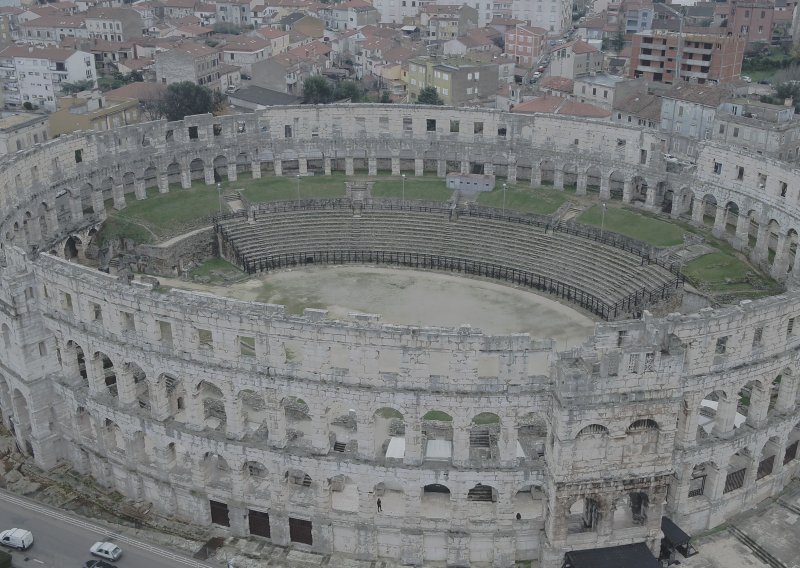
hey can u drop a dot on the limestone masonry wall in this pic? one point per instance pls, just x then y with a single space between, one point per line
483 449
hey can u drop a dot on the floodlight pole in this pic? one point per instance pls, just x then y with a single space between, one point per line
404 189
603 221
505 186
219 196
298 187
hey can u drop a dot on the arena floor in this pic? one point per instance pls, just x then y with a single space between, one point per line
411 297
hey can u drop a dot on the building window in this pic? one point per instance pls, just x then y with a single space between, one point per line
633 362
758 336
649 362
722 345
790 327
717 168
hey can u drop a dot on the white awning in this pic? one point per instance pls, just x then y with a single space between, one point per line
396 448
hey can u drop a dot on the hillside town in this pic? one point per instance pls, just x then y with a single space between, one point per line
680 68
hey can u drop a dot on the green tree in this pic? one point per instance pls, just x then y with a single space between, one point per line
227 28
385 98
76 87
185 99
316 90
429 96
348 90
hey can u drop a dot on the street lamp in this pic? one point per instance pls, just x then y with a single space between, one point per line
298 187
219 196
603 221
505 186
404 189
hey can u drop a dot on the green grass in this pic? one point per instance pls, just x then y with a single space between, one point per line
717 267
280 188
428 188
543 200
217 269
634 225
438 415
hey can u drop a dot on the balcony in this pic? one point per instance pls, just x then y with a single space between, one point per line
653 57
648 69
700 50
698 62
695 74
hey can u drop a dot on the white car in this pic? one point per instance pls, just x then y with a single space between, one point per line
746 79
107 550
17 538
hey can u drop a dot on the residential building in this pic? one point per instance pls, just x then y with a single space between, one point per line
178 8
479 40
640 109
148 10
349 15
288 71
703 57
21 130
557 86
574 59
441 22
770 130
114 24
237 12
600 89
36 75
8 24
636 16
526 44
50 30
458 81
244 51
561 106
278 39
752 20
397 11
92 110
688 110
193 62
555 16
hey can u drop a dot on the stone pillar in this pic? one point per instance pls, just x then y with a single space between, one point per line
558 178
508 445
464 167
761 250
327 165
234 414
255 169
536 176
51 217
159 400
193 412
348 166
796 266
719 221
780 264
419 167
98 204
395 165
777 463
126 388
726 413
460 441
320 441
759 406
605 187
650 198
627 189
276 423
278 164
139 190
742 232
163 183
787 392
441 168
76 208
488 168
511 175
302 164
186 178
698 209
208 174
366 438
414 450
119 195
372 166
232 170
580 185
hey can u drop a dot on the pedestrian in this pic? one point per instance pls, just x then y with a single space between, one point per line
379 505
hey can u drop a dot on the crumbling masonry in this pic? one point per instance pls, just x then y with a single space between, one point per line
236 413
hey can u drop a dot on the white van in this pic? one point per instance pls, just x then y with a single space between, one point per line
17 538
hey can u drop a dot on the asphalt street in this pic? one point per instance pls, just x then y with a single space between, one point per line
62 540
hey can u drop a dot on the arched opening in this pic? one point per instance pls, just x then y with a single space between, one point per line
74 363
630 510
176 396
531 437
484 433
792 441
699 477
42 213
642 436
256 479
242 162
583 515
735 473
128 182
751 403
773 238
299 426
343 429
344 494
780 392
752 232
570 173
766 462
436 501
83 423
616 185
717 414
73 247
639 189
213 400
529 502
668 202
481 493
298 478
437 436
731 217
105 370
709 210
220 168
593 177
216 471
197 169
592 440
112 437
87 200
150 177
141 388
254 415
174 173
389 430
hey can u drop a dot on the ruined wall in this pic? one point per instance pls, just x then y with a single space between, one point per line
185 398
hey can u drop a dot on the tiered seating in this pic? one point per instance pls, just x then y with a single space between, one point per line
611 274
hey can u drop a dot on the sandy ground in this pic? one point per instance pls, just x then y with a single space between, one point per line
412 297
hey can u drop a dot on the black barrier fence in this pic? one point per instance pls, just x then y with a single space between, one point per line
629 305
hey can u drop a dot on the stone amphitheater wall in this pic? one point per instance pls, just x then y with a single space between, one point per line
184 398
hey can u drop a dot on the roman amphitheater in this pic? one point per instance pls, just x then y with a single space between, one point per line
484 449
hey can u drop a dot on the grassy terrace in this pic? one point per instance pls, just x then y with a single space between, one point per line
161 216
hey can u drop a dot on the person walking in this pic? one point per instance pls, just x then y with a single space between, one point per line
379 505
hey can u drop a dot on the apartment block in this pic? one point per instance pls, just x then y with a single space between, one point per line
525 44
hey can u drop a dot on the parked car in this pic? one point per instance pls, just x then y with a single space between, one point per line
98 564
20 539
107 550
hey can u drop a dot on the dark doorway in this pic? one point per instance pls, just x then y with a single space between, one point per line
259 523
219 514
300 531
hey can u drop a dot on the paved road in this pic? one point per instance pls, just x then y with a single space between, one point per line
62 540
